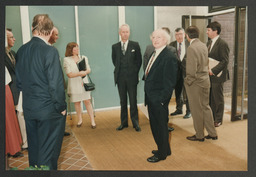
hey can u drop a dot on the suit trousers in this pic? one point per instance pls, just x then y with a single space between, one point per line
126 87
45 140
200 110
180 93
158 118
217 101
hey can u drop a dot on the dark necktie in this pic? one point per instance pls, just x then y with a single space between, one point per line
123 48
151 62
12 58
210 45
179 50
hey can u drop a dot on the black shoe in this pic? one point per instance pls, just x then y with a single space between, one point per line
194 138
155 152
154 159
18 154
121 127
66 134
24 149
170 129
211 137
176 113
217 124
187 115
138 129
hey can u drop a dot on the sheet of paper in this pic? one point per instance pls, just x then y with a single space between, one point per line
212 64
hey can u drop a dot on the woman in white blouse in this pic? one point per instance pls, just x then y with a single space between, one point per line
76 89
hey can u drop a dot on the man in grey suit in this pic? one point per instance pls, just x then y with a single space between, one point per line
39 77
181 46
160 79
126 57
197 85
218 50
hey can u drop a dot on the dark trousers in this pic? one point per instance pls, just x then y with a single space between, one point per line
126 87
45 140
217 101
158 118
181 95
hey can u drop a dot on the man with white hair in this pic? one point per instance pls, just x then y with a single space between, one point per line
126 57
160 79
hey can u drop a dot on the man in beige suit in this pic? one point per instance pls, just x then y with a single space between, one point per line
197 84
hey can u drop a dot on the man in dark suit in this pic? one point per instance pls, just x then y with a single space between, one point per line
39 77
10 62
181 46
53 39
218 50
126 57
197 85
147 54
160 79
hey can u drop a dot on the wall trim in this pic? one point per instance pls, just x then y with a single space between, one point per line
25 26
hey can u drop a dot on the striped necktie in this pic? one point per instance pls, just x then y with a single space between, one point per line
151 62
179 50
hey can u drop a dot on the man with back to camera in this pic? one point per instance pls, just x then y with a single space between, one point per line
53 39
197 85
218 50
181 46
126 57
160 79
39 77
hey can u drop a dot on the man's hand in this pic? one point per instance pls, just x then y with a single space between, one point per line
64 112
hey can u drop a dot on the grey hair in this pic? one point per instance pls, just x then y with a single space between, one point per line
124 25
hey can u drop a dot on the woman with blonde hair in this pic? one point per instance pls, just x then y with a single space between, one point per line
76 89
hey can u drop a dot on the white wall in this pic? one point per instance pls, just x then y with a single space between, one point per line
171 16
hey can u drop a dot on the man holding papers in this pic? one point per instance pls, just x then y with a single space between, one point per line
219 57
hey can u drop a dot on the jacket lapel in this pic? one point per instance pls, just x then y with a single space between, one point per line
215 45
157 60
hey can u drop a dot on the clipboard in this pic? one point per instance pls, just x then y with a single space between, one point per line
212 64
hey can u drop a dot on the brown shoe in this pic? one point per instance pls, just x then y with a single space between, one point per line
194 138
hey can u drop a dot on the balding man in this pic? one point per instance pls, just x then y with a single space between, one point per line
160 79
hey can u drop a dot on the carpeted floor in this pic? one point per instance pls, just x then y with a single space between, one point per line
108 149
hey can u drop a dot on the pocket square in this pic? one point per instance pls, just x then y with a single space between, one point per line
133 50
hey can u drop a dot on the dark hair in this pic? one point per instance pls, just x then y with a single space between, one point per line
215 26
9 29
167 30
178 29
192 32
43 24
69 49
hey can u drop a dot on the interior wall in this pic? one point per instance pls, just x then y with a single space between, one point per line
98 30
171 16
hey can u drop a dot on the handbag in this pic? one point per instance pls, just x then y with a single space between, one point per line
89 86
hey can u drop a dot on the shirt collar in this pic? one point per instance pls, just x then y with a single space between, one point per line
192 41
215 38
43 40
159 50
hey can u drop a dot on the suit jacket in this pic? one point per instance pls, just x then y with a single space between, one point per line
133 54
161 79
197 64
11 69
148 52
220 52
181 63
39 77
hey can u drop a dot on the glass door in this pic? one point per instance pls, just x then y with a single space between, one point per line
240 77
